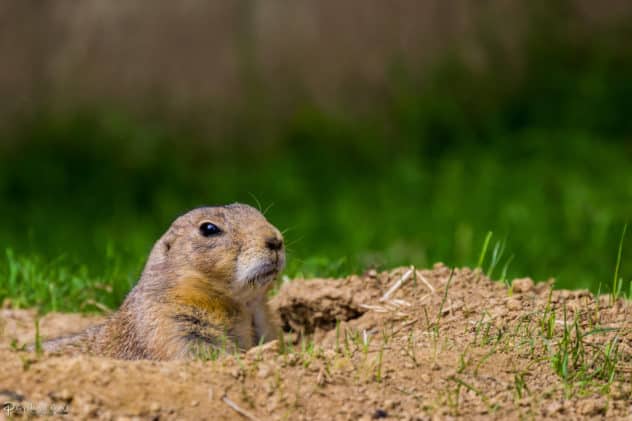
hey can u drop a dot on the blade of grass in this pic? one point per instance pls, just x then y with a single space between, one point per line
616 287
481 258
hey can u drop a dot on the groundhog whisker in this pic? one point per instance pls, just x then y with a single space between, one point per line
288 229
256 201
267 208
294 242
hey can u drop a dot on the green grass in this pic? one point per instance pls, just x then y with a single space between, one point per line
58 285
539 156
617 282
94 226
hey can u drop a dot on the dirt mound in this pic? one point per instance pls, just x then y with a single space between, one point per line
406 344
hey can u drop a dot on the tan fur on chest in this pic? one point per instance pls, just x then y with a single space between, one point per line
195 290
215 307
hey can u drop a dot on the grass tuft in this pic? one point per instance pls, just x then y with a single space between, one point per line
617 282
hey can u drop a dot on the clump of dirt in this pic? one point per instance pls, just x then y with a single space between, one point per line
405 344
321 303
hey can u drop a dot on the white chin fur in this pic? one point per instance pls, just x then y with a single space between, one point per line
258 274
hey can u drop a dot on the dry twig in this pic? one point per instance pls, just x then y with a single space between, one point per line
397 285
425 281
237 409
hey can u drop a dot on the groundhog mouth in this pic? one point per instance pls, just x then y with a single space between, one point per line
262 274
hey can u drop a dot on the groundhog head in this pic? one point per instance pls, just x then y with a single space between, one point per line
233 246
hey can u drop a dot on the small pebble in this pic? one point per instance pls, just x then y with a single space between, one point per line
330 354
552 408
390 403
522 285
513 304
64 395
264 371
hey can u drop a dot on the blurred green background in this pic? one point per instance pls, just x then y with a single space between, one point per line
527 134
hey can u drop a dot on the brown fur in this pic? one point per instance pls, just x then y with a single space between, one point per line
196 294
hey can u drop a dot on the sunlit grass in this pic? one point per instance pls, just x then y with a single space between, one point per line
58 285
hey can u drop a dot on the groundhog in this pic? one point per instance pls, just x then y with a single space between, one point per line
203 290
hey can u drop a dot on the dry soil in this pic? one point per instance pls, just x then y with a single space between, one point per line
439 345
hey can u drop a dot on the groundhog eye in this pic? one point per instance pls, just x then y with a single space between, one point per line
207 229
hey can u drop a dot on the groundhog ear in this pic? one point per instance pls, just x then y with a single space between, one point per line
167 241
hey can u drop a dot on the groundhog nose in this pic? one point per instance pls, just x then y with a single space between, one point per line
274 243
